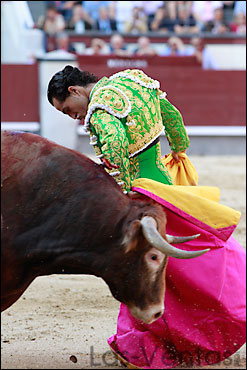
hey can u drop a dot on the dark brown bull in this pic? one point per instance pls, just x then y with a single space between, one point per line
63 214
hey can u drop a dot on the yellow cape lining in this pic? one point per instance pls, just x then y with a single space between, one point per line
201 202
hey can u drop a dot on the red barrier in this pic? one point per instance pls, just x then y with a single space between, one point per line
157 38
20 93
205 97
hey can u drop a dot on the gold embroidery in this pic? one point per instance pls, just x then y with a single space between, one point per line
174 126
160 165
113 144
136 117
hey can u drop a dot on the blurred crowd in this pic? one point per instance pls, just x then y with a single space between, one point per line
137 17
140 18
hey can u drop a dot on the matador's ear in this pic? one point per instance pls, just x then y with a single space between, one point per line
73 90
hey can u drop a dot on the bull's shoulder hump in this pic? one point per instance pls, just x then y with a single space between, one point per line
19 149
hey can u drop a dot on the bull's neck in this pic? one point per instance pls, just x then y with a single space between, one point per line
68 261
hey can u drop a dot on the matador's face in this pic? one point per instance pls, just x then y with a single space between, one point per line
75 105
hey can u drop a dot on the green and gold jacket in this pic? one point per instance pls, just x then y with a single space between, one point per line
126 113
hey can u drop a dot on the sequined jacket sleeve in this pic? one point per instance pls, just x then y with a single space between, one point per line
108 137
174 126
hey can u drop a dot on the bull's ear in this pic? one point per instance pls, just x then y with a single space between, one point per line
132 236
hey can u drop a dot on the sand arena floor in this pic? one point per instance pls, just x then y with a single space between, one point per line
63 316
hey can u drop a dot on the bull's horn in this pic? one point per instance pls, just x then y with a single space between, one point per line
180 239
150 232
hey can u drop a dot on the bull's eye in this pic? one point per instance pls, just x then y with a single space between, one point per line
154 258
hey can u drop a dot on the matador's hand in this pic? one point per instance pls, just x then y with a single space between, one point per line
108 164
175 156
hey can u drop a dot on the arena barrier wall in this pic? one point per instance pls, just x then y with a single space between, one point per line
20 96
206 98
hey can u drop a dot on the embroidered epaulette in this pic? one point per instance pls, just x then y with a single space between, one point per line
162 94
137 76
112 100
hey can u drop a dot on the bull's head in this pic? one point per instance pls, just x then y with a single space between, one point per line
142 269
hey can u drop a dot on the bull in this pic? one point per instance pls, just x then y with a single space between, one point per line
63 214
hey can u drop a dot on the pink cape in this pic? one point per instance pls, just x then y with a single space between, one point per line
204 318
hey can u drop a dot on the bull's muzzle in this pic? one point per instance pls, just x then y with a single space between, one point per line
149 315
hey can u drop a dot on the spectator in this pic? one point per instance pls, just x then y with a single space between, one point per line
228 7
97 47
175 46
171 7
64 50
92 8
217 25
80 20
64 8
185 22
137 23
144 47
149 8
203 12
239 7
162 22
117 46
239 24
104 23
202 54
228 4
174 7
63 43
51 23
121 11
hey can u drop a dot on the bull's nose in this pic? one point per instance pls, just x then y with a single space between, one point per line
150 315
157 315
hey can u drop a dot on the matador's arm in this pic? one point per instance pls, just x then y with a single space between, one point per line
109 140
174 125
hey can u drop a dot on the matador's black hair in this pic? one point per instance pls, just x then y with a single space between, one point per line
69 76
